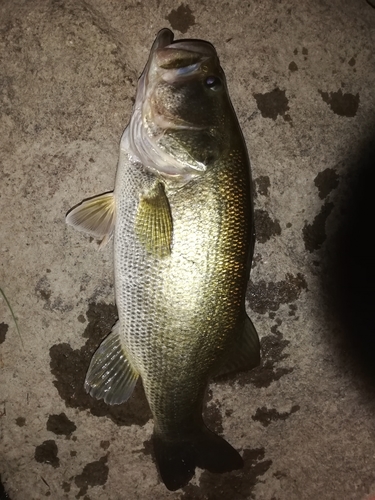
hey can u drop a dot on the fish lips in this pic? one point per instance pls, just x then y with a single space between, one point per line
178 58
175 62
171 61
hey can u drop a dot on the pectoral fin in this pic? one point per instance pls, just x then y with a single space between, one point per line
110 375
153 223
246 351
95 217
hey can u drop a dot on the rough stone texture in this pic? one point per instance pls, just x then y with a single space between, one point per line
302 78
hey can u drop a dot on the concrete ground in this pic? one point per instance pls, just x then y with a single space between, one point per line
301 76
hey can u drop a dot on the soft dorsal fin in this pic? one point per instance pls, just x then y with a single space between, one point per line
95 217
153 223
245 354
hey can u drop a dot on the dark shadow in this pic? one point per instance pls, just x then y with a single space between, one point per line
348 263
3 494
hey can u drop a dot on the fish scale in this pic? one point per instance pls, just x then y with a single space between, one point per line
182 218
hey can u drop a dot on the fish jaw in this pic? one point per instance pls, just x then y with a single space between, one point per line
168 118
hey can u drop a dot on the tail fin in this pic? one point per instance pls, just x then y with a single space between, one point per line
177 459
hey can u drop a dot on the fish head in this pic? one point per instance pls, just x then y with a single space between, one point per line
181 109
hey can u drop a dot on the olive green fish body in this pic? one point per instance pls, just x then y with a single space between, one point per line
180 314
182 219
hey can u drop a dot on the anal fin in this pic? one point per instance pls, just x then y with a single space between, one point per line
95 217
110 375
246 351
153 223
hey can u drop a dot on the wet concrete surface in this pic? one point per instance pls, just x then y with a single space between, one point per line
301 77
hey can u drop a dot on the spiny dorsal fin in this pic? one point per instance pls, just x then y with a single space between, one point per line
95 217
245 354
153 224
110 375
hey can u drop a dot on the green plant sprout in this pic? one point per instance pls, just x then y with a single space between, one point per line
13 315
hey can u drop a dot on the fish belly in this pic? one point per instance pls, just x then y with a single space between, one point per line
178 314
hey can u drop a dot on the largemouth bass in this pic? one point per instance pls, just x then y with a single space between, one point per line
182 218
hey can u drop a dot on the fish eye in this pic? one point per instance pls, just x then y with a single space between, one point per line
213 83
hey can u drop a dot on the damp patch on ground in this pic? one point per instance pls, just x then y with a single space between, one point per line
93 474
60 425
326 181
273 104
262 185
268 415
264 297
69 367
46 453
212 414
341 104
314 234
181 19
3 331
21 421
265 227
